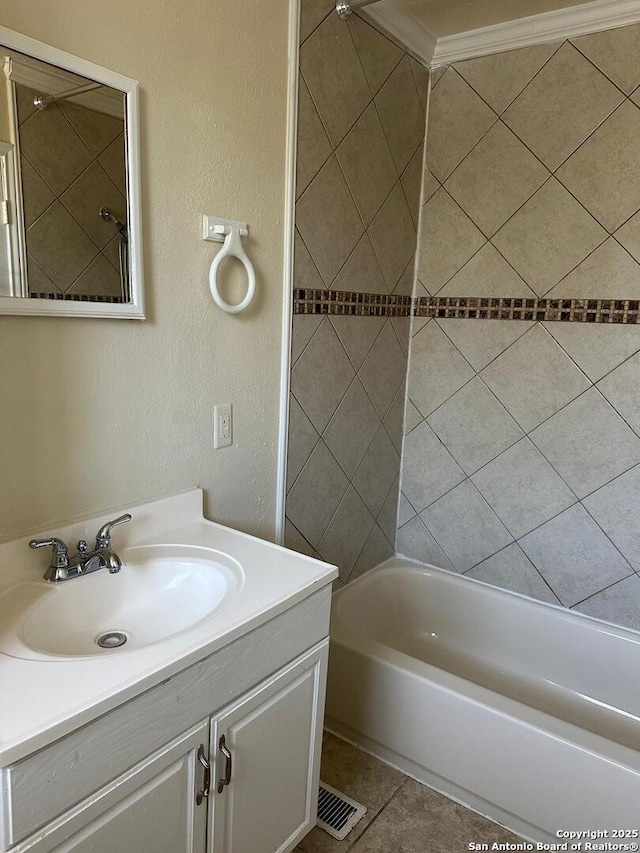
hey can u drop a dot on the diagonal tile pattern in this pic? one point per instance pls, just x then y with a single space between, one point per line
531 189
67 177
359 180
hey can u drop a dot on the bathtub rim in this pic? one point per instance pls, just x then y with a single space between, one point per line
389 657
403 563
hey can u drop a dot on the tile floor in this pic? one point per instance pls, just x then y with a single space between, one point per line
402 815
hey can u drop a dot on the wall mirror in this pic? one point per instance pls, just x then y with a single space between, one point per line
70 241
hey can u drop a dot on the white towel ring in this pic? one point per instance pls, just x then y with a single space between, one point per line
231 232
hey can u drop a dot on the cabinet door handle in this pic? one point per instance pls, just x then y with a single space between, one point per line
227 764
200 795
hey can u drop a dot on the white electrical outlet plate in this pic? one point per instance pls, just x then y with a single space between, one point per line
222 426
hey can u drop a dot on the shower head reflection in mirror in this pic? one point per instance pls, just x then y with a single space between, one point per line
70 228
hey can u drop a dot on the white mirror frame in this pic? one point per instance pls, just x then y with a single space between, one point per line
68 308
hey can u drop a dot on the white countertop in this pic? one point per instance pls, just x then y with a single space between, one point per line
43 700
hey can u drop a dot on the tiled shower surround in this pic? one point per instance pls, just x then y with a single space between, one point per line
520 461
521 456
72 164
360 145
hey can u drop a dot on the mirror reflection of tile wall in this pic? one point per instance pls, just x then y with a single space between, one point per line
72 163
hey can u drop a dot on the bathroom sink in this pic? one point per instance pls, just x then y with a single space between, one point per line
160 591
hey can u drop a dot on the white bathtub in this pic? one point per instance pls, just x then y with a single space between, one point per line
523 711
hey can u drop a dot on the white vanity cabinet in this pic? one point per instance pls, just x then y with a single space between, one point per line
267 745
133 780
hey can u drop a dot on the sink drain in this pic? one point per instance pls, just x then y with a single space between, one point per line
111 639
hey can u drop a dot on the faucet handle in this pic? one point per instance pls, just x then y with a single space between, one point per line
103 536
60 557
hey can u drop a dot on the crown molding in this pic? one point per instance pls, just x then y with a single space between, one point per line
404 29
536 29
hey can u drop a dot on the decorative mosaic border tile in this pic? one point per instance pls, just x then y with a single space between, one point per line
355 303
77 297
350 302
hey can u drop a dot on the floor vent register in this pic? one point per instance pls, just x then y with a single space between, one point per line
337 814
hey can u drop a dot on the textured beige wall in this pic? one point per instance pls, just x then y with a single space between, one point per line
99 413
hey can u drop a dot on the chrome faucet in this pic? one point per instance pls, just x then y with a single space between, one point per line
63 567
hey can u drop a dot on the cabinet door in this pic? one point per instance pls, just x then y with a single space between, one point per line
150 809
273 736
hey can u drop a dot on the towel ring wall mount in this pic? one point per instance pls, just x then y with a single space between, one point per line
229 232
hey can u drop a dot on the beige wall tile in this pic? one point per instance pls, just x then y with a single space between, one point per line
448 238
352 428
629 236
458 119
615 508
393 420
598 348
377 471
346 534
376 550
378 54
304 327
615 52
113 161
328 58
534 378
357 335
87 195
415 542
495 179
329 239
313 146
480 341
474 426
99 279
464 508
302 439
383 370
393 236
316 494
604 174
620 388
388 516
53 148
607 273
522 488
619 604
561 106
321 375
588 443
511 569
96 129
361 270
312 13
428 469
39 282
421 76
305 272
500 77
549 236
36 195
294 540
412 184
60 246
429 185
574 556
367 164
436 369
487 274
402 114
